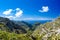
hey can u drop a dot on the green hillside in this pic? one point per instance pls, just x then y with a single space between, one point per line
47 31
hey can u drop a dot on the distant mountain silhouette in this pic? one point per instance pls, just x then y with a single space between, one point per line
15 26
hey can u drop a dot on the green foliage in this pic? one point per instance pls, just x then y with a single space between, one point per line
13 36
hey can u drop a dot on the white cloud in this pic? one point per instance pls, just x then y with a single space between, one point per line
18 12
36 18
44 9
10 17
7 12
44 18
28 19
17 9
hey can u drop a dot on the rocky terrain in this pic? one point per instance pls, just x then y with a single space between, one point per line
10 30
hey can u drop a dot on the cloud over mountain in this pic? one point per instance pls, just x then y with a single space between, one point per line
7 12
17 13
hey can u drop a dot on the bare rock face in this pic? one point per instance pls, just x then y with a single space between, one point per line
49 30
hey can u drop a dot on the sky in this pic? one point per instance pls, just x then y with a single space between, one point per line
30 9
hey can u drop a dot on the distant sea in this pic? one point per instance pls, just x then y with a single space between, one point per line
39 21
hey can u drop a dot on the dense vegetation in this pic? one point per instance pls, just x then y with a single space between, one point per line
11 30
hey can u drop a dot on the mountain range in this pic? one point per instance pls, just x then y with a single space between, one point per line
21 30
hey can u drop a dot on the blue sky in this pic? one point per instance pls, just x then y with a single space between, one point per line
30 9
